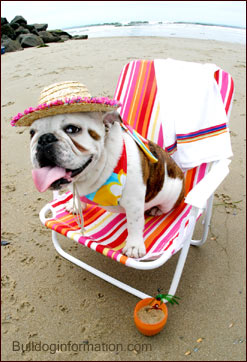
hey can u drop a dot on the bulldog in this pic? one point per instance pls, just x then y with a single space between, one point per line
85 148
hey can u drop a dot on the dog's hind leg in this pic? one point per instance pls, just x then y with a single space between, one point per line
154 211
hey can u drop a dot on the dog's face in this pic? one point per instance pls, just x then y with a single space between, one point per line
72 142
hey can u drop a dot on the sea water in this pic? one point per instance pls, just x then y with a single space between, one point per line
163 29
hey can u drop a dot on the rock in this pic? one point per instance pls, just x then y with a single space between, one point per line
40 27
19 20
6 29
32 29
4 21
64 37
60 33
21 30
30 40
17 34
47 37
79 37
15 26
4 242
10 45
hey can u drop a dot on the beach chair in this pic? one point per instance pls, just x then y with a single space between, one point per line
164 235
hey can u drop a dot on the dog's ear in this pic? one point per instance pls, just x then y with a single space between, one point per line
110 118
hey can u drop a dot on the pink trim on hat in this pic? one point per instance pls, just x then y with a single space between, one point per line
95 100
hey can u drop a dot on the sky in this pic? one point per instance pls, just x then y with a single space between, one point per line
65 14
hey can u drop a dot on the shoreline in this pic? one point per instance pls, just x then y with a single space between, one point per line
154 23
166 38
45 298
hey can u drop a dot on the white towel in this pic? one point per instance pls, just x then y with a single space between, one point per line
190 102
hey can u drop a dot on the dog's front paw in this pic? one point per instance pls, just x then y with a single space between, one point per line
73 208
134 249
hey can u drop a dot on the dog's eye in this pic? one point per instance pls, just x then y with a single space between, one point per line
71 129
32 133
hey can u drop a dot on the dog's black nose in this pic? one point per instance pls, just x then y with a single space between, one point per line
46 139
46 150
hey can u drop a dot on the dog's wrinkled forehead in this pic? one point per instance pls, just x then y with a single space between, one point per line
57 122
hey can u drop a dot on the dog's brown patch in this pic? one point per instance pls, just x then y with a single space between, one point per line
154 173
94 135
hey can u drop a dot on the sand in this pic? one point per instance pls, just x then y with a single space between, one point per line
46 300
150 315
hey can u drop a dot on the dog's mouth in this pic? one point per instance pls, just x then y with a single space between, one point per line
55 177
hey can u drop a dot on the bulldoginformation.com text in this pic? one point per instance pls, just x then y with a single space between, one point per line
70 346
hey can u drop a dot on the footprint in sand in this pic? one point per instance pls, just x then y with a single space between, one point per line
6 235
8 104
64 308
240 66
27 260
8 286
9 188
8 282
24 309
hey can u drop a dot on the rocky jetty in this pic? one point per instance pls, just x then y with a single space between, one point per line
18 35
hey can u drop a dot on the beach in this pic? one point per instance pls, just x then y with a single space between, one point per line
46 300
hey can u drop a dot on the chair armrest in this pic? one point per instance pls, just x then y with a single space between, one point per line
199 195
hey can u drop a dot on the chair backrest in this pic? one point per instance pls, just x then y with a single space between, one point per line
137 91
226 86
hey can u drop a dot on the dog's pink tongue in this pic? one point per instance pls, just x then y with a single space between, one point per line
45 176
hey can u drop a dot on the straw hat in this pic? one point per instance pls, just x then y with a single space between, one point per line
64 97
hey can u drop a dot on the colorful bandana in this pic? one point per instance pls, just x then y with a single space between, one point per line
109 194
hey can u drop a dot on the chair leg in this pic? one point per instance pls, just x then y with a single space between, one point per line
95 271
206 223
183 253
